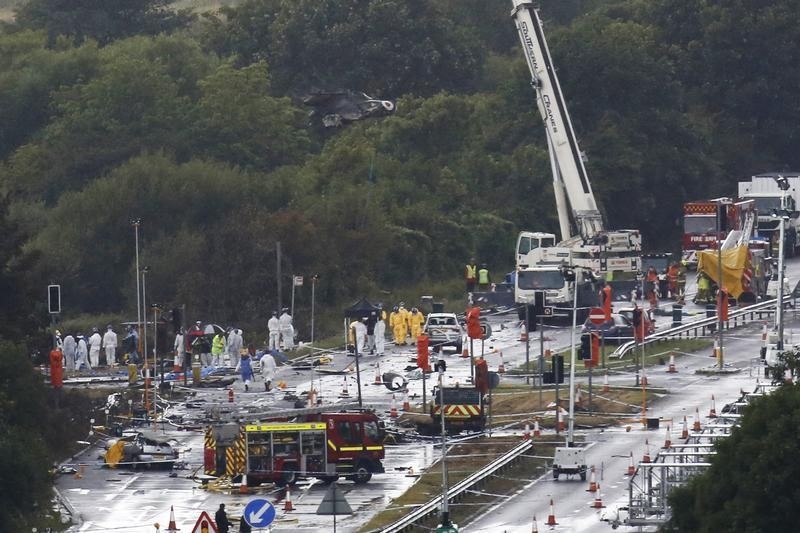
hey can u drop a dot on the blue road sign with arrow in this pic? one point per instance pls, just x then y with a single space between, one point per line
259 513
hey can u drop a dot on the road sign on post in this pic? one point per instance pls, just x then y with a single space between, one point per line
54 299
259 513
597 315
204 524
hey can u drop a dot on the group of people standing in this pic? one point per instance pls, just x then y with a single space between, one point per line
281 331
474 275
369 333
404 322
80 353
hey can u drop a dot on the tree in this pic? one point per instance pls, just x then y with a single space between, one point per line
101 20
385 48
752 482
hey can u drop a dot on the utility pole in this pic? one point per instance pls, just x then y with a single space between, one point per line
278 274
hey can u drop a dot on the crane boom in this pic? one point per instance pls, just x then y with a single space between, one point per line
569 173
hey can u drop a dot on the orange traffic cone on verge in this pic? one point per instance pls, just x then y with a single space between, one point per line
502 368
534 527
551 518
685 430
465 353
696 426
605 382
646 456
598 499
173 526
578 397
592 481
287 503
526 435
712 413
523 333
243 488
668 439
378 380
393 408
312 397
406 403
672 368
536 431
345 393
644 377
631 467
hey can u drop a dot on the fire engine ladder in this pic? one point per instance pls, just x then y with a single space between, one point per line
741 237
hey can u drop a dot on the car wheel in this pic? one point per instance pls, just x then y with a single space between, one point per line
555 473
362 473
459 347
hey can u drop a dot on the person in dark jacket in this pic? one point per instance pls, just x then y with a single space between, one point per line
221 518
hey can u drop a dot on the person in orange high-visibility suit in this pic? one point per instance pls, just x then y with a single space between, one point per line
415 321
482 375
56 368
606 297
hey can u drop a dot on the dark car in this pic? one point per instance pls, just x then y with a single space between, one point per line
619 329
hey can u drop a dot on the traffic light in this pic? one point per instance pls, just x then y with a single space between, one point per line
54 299
586 346
558 368
474 330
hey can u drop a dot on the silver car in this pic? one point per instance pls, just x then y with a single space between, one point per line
443 329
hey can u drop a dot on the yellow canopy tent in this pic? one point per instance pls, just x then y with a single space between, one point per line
734 263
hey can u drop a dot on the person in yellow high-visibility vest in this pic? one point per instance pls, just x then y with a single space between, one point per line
471 275
415 319
483 278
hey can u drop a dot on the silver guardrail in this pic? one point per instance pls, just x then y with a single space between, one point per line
736 318
465 484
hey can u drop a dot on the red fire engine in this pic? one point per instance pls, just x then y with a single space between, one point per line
707 222
321 445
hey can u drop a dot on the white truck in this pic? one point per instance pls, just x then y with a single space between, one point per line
585 243
763 189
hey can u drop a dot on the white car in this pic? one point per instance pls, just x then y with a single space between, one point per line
443 329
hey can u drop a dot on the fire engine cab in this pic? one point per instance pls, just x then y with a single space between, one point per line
322 445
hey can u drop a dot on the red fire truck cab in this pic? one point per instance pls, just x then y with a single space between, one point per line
323 445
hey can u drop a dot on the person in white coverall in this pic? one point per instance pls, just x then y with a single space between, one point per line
287 329
95 343
360 333
69 353
110 345
179 349
268 370
82 354
274 327
234 346
380 336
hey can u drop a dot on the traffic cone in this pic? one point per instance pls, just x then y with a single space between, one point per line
644 377
465 353
598 499
79 472
685 430
393 408
605 382
378 380
534 527
526 435
712 413
551 518
502 368
243 488
230 395
592 481
406 404
287 503
646 456
523 333
715 350
696 426
672 368
173 526
578 397
345 393
631 467
668 438
536 431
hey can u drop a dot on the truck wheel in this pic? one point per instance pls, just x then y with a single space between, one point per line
327 480
555 473
459 347
362 473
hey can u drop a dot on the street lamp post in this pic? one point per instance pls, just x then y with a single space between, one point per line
136 222
720 353
783 183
